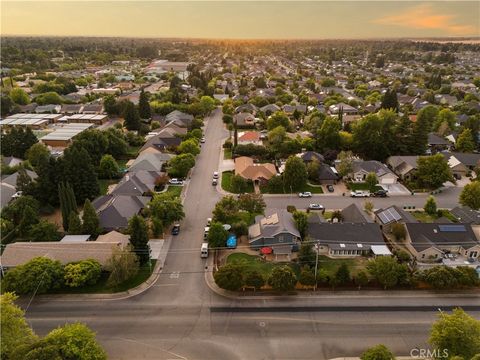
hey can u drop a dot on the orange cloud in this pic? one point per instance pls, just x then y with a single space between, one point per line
424 17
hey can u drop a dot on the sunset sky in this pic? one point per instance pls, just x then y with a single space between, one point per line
242 19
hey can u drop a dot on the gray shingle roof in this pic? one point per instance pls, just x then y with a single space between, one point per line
466 215
424 236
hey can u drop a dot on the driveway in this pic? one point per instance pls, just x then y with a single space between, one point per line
396 189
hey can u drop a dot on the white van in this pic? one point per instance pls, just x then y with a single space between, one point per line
205 233
204 250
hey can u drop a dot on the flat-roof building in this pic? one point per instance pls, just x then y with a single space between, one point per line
63 136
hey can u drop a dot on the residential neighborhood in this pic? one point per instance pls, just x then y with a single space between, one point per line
236 183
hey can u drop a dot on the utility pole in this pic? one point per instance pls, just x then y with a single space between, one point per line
316 266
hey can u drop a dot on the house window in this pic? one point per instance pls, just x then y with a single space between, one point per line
280 238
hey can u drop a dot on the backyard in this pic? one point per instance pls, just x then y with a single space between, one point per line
427 218
255 262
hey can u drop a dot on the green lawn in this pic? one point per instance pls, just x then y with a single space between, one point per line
104 183
133 151
175 190
361 186
427 218
227 153
331 265
307 187
101 286
227 183
254 262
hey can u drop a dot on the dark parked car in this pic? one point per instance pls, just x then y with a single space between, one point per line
176 229
380 193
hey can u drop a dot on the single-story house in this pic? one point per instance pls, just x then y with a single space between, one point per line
249 108
114 211
96 109
179 118
9 186
275 229
362 168
353 213
348 239
403 166
437 143
19 253
270 108
249 137
464 214
244 119
248 169
345 108
149 162
138 183
429 241
461 163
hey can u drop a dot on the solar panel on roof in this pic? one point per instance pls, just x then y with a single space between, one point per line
452 228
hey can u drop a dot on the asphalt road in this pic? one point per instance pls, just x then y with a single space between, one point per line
180 318
448 199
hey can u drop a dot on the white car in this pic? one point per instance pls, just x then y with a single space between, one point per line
202 140
305 194
17 195
360 193
176 181
215 174
316 207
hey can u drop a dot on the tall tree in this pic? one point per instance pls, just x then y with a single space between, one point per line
457 333
433 171
67 203
137 228
430 206
79 171
368 138
132 119
123 265
108 168
301 222
465 142
144 109
390 100
470 195
282 278
217 235
37 153
90 221
295 174
74 224
328 136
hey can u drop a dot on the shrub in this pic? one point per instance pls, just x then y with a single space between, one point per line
81 273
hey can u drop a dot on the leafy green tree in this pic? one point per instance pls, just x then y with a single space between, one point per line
378 352
74 224
19 96
387 271
79 171
24 181
16 142
276 137
108 168
189 146
15 331
369 138
144 109
301 222
440 277
470 195
345 165
6 105
430 206
306 254
229 277
72 341
328 136
361 279
81 273
46 184
110 105
15 210
465 141
68 202
313 169
295 174
282 278
166 209
37 153
40 274
207 104
90 221
254 279
252 203
421 128
131 116
433 171
459 333
226 209
180 165
137 228
47 98
44 231
390 100
238 184
278 119
371 181
123 265
217 235
307 277
398 231
28 220
343 274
